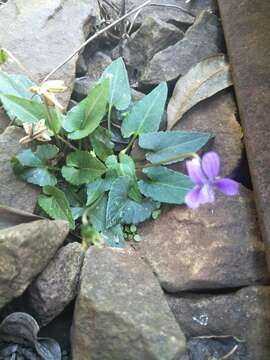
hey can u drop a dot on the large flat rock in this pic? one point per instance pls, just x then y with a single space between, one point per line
121 312
25 250
14 192
217 246
41 34
203 39
218 115
244 314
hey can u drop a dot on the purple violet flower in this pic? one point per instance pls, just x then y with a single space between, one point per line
204 173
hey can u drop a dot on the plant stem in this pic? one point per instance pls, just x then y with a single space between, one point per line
109 117
130 144
66 142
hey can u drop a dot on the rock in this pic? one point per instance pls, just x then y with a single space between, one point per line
173 13
120 311
14 192
218 115
153 36
96 64
82 86
25 250
215 348
217 246
203 39
244 314
57 285
40 36
4 121
81 67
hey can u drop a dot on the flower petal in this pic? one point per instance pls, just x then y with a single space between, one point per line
207 194
211 165
195 172
192 198
227 186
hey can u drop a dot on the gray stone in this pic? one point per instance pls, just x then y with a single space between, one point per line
171 14
244 314
25 250
153 36
203 39
14 192
121 312
57 285
81 67
96 64
42 34
218 115
217 246
82 87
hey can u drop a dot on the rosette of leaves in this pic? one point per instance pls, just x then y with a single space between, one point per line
19 340
88 174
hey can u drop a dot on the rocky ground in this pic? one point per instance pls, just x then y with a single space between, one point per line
197 286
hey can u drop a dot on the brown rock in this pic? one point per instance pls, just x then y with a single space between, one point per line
25 250
14 192
244 314
216 246
57 285
121 312
218 115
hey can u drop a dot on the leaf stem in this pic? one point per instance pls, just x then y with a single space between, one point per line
130 144
181 157
67 143
109 118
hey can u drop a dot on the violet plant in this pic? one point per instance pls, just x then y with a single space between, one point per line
84 162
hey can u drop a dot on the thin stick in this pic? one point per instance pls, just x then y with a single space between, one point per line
94 37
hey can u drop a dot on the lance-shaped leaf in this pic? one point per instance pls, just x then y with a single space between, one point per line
121 209
165 185
17 85
85 117
202 81
82 168
120 95
56 205
33 167
96 189
172 146
112 236
146 114
101 143
25 110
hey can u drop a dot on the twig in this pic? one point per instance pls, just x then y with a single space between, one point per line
229 353
17 62
94 37
175 7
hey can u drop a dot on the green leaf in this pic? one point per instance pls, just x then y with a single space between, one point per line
121 209
165 185
85 117
77 212
25 110
56 205
101 143
3 56
82 168
32 166
96 189
17 85
120 95
125 167
170 145
113 236
146 114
